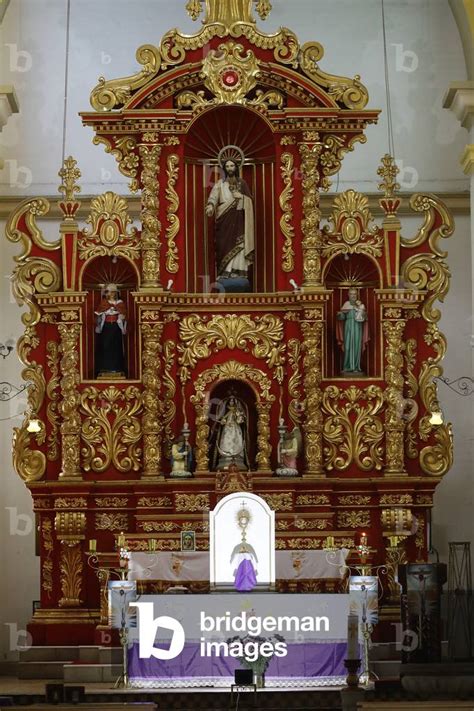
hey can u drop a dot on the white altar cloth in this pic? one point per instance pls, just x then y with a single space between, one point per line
189 566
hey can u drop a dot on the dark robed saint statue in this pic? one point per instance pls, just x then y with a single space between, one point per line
111 327
231 203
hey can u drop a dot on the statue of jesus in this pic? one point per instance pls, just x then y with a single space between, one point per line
231 203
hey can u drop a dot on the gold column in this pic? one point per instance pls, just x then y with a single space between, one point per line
71 419
263 439
312 329
151 225
394 422
202 434
312 237
151 345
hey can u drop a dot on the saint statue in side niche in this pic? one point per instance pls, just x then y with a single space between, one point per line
182 455
231 446
231 203
352 333
111 327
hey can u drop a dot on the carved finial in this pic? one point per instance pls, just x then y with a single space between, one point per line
228 12
69 174
388 171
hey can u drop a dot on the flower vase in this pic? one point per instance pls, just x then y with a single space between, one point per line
260 681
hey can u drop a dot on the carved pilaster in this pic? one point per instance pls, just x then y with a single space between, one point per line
263 438
202 435
70 527
151 334
312 237
71 419
151 226
313 420
394 422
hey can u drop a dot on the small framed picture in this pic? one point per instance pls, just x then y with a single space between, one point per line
188 540
36 605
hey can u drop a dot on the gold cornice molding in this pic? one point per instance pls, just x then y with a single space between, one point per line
457 202
467 159
460 100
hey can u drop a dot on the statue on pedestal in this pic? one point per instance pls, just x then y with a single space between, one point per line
111 327
182 455
352 333
231 442
289 448
230 201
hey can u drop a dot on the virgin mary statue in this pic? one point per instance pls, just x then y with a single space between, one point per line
231 203
231 440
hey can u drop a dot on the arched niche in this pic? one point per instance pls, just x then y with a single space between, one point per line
247 396
207 135
225 535
250 376
342 272
94 276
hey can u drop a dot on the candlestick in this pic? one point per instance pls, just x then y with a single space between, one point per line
363 539
121 541
92 545
353 637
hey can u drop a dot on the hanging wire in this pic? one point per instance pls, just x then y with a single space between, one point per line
391 142
66 79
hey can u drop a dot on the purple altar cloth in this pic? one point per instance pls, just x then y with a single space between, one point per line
310 659
245 577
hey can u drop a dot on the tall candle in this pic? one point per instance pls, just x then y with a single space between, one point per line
121 541
363 539
353 637
92 545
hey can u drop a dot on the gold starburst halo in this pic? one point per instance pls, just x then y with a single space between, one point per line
233 153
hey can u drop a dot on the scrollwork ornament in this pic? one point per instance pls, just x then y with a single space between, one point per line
123 148
286 221
111 431
394 422
172 173
110 234
351 232
52 409
169 385
294 382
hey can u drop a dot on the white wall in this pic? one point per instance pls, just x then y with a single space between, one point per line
104 37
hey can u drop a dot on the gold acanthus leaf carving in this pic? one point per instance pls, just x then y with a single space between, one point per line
154 502
172 173
294 382
70 400
286 221
351 232
52 391
111 430
199 338
348 93
312 500
192 502
109 233
353 519
437 459
245 66
433 208
151 225
112 502
26 214
353 432
111 522
123 148
158 526
319 524
285 44
267 99
169 386
279 502
47 563
72 502
111 94
71 567
396 499
29 463
354 500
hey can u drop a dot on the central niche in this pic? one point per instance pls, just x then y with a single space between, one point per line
232 426
253 141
